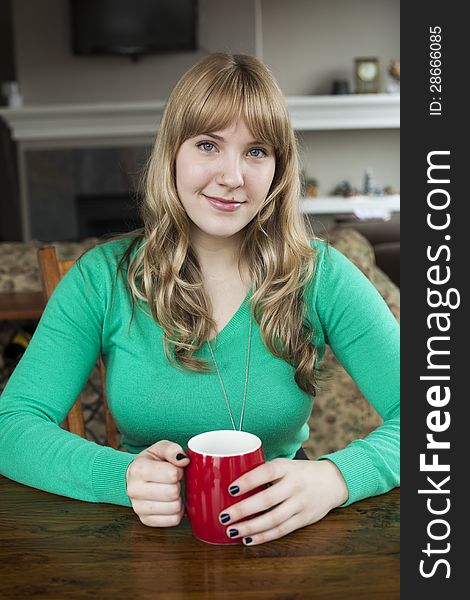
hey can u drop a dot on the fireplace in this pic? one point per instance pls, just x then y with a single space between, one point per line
83 192
99 214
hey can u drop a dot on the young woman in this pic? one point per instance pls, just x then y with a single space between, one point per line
214 316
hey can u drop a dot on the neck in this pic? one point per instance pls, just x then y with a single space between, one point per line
218 257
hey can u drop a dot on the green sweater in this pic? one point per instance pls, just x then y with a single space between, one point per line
150 400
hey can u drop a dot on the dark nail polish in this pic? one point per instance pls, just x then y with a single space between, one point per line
233 532
224 518
248 540
180 456
234 489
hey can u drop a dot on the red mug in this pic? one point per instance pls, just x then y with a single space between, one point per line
217 459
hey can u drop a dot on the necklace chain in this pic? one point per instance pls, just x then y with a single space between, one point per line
246 379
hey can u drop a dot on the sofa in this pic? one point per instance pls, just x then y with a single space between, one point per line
384 237
340 412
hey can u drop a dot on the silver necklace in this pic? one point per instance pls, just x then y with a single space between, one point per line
246 379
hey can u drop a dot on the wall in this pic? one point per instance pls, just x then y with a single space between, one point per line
306 43
333 156
309 43
49 73
321 40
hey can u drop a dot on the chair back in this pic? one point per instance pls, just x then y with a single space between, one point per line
52 270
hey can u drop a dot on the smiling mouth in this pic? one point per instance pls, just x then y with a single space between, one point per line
224 200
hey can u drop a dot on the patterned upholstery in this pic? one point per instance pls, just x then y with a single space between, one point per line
341 413
19 264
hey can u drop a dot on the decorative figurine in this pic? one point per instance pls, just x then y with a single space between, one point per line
393 83
370 187
345 189
311 188
340 87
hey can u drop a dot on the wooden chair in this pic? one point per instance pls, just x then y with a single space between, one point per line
52 270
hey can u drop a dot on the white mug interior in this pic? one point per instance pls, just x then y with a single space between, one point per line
224 443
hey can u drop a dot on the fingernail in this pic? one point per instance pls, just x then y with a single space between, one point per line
181 456
233 532
234 489
224 518
248 540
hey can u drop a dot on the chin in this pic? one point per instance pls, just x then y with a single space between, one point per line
220 232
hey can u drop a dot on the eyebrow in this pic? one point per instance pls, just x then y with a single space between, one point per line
222 139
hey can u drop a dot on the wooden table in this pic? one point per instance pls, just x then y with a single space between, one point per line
54 547
21 305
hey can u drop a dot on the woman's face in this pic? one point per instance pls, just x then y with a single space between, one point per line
222 178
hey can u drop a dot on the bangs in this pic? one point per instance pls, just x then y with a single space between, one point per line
231 97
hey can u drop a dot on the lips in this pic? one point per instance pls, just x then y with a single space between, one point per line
224 200
223 204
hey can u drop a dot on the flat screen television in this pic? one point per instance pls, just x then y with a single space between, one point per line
133 27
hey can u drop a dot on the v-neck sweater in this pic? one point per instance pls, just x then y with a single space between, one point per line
150 400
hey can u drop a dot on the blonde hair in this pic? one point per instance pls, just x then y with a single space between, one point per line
165 273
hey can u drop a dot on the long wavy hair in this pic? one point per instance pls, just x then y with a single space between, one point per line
164 272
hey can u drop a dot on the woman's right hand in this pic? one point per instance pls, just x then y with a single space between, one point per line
153 484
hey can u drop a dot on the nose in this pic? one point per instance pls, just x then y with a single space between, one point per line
230 172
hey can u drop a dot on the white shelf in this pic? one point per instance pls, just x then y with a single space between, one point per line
352 111
361 205
71 125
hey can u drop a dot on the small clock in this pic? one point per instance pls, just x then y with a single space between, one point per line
367 75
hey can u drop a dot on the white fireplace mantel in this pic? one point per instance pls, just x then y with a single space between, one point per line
84 124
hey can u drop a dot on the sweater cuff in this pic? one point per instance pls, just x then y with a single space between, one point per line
357 470
109 476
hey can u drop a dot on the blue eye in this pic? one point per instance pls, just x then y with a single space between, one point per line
260 152
206 146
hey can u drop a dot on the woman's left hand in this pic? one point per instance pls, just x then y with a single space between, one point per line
302 492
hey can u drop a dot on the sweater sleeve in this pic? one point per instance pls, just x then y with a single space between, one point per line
34 449
364 336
